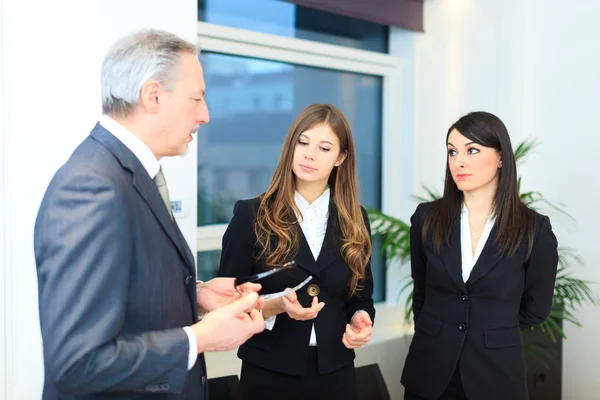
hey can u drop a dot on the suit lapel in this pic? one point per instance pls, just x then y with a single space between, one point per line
489 257
452 258
305 258
326 256
144 185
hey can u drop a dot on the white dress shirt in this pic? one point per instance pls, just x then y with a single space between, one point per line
468 258
152 166
314 226
133 143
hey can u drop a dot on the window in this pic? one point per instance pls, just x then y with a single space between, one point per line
239 150
289 20
207 264
259 78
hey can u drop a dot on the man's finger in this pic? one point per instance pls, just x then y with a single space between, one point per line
244 317
255 315
258 322
243 304
251 287
260 303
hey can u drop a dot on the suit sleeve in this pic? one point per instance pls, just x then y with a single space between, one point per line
540 277
238 243
417 263
363 300
83 256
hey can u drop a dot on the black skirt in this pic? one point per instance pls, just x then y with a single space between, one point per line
454 391
257 383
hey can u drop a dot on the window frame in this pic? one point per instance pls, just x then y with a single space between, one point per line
393 70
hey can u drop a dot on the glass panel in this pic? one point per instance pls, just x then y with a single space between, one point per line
287 19
252 104
207 264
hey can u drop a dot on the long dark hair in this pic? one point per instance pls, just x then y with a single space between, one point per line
275 214
513 218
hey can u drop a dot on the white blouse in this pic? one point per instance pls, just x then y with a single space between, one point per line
468 258
314 226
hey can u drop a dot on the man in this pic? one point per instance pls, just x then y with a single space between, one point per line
118 300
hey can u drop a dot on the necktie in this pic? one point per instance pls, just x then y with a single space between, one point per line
161 184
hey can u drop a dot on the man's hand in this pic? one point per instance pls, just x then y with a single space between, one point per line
219 292
359 332
227 327
294 309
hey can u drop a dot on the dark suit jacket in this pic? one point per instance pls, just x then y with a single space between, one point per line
116 282
285 348
476 325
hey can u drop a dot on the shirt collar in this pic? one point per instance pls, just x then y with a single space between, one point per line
464 213
320 205
133 143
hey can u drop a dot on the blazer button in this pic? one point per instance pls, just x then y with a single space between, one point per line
461 327
464 297
313 290
188 279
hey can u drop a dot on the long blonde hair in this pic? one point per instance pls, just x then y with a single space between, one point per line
277 211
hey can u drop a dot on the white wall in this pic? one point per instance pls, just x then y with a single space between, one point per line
51 53
535 64
562 72
398 155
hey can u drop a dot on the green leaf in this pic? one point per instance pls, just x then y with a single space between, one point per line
524 149
432 195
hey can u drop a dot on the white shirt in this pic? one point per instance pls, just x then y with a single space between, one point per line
152 166
314 226
133 143
468 258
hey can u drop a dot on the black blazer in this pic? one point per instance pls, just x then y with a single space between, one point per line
116 282
477 325
285 348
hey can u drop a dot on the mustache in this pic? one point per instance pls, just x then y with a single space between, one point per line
195 129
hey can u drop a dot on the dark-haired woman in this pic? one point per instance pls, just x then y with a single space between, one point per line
310 214
484 267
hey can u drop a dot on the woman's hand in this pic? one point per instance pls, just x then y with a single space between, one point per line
359 332
294 309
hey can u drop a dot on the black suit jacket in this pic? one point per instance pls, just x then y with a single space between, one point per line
285 348
476 325
116 282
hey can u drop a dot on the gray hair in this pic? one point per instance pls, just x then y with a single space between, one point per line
135 59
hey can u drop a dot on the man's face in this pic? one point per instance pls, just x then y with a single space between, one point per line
184 108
